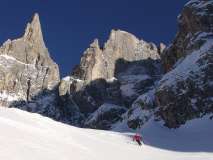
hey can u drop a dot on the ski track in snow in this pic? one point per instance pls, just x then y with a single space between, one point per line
28 136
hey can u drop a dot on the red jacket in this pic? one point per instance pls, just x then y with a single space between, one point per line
137 137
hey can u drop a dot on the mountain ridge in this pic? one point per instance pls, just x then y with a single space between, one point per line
137 79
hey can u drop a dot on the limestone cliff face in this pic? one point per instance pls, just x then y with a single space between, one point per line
115 74
92 64
26 69
98 63
125 46
105 63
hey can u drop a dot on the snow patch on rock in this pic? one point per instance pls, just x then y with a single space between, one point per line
186 67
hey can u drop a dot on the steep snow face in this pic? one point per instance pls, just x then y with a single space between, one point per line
28 136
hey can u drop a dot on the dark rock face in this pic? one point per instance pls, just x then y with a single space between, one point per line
190 96
141 111
105 116
195 18
44 103
83 99
137 77
185 92
96 93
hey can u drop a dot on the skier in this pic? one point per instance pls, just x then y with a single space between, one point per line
137 137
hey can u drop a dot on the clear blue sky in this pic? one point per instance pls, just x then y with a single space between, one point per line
69 26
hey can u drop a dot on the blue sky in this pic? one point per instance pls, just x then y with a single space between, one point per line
69 26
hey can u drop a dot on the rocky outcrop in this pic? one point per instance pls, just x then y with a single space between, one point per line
137 77
92 64
125 46
196 18
116 74
141 111
97 63
26 68
185 92
105 116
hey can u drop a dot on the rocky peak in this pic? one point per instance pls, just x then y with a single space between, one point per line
116 74
91 64
95 44
30 48
195 20
119 38
26 68
33 32
99 63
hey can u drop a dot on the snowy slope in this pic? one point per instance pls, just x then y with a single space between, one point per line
27 136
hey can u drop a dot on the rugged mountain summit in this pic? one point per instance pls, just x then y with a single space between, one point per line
127 75
115 74
98 63
121 85
26 68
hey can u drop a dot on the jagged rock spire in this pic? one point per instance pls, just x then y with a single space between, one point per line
98 62
95 44
29 69
33 31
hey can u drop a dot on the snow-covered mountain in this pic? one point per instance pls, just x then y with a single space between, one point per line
126 82
115 74
127 86
186 90
173 84
28 136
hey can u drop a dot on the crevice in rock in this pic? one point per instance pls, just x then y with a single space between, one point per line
28 89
